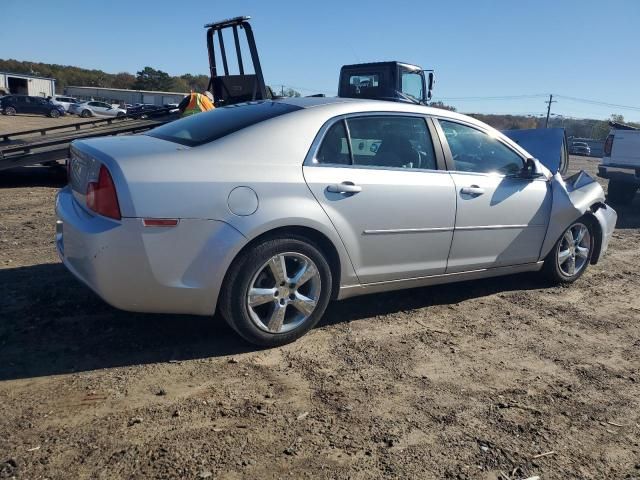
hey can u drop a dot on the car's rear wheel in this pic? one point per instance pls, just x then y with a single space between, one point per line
277 291
54 113
9 111
621 193
571 254
85 113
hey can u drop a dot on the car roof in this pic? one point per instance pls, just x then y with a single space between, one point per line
329 107
367 105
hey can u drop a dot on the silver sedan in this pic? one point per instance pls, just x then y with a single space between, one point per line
93 108
267 211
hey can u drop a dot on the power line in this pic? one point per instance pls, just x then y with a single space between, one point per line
597 102
503 97
537 95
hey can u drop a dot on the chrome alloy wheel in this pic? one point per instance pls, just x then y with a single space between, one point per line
283 293
573 249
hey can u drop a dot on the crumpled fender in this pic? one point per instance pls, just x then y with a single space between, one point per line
572 198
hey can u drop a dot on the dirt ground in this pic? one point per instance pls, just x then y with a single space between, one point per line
18 123
495 379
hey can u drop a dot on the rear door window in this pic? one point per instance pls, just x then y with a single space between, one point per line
387 141
334 149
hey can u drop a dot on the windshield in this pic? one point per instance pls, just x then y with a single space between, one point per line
209 126
412 83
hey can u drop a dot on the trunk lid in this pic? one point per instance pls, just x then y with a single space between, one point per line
119 154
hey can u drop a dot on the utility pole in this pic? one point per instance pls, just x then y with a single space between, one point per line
549 102
282 90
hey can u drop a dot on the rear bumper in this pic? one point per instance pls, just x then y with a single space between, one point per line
146 269
623 173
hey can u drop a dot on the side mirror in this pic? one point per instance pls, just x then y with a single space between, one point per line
431 79
529 169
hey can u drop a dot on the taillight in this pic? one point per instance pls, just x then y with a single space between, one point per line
608 145
102 197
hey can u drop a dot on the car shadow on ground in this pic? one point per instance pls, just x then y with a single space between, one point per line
52 324
35 176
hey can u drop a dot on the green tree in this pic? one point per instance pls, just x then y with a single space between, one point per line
152 79
617 118
197 83
442 105
123 80
285 92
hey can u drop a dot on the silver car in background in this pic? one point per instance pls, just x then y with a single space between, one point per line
266 211
95 108
63 100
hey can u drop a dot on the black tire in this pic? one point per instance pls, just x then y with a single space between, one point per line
552 269
120 114
233 304
621 193
9 111
54 113
85 113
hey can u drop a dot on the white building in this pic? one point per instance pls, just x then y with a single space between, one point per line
20 84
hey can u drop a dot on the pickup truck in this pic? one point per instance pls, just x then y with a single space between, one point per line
621 163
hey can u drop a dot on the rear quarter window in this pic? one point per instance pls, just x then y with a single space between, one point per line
209 126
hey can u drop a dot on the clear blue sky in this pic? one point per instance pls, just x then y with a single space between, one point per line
580 48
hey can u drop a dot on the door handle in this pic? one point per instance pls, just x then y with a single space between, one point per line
344 187
472 190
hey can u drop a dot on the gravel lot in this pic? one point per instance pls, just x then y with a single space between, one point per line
495 379
21 122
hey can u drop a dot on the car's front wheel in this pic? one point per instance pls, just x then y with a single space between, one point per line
9 111
54 113
571 254
277 291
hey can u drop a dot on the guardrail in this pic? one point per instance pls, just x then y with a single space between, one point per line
6 137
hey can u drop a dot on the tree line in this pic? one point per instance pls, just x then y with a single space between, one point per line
147 78
596 129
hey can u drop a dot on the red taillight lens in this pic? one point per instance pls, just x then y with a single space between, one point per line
608 145
102 197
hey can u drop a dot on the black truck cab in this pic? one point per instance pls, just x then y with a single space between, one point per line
395 81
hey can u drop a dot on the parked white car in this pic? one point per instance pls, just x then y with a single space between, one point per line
93 108
63 100
621 163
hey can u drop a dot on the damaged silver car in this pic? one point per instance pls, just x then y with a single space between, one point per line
266 211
